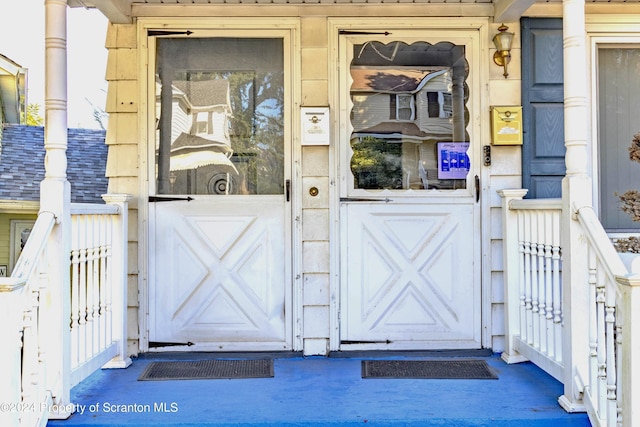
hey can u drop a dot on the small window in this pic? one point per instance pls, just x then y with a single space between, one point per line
405 107
439 104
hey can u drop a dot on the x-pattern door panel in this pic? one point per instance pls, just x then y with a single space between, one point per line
408 276
219 277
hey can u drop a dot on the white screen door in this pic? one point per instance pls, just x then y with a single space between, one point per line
219 202
409 206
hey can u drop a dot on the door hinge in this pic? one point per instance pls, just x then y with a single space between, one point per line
363 199
365 33
169 199
153 33
157 344
477 189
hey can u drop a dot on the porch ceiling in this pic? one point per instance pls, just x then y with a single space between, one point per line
122 11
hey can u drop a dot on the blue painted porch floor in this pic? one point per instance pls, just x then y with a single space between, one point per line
320 392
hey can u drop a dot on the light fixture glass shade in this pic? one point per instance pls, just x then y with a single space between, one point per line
503 39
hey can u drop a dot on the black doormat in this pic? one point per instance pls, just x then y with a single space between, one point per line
429 369
208 369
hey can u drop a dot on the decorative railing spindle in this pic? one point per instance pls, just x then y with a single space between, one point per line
522 291
82 292
557 288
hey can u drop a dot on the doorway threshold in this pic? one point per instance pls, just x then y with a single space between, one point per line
210 355
374 354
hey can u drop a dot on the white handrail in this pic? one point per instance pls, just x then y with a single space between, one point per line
599 358
600 242
23 387
35 245
535 204
28 352
94 209
612 306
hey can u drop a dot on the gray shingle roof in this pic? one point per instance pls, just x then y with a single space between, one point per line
22 163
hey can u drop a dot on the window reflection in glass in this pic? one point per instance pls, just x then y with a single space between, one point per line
220 116
409 116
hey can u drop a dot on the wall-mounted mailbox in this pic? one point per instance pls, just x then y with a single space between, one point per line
506 125
315 125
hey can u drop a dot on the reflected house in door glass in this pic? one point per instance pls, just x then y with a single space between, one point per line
200 142
399 115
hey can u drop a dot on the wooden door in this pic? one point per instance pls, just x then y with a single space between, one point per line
219 211
409 207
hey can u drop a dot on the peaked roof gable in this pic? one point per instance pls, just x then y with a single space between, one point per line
22 163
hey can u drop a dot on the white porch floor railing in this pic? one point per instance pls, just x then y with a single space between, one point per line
533 267
97 322
535 328
98 287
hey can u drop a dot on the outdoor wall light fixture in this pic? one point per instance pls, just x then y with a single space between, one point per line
503 40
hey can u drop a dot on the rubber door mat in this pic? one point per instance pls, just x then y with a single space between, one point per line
429 369
208 369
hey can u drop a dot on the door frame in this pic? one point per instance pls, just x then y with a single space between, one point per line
146 124
479 120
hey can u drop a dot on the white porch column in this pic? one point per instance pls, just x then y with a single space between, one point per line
55 197
576 192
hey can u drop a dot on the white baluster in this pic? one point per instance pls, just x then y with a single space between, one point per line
610 319
548 285
103 284
601 385
75 289
92 290
535 279
527 279
82 289
521 281
557 287
110 280
619 332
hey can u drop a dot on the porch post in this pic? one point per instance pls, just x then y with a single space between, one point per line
629 388
55 197
511 275
120 276
576 193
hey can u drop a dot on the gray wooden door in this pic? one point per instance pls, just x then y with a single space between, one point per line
543 109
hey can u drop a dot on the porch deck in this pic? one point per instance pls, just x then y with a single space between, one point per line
322 392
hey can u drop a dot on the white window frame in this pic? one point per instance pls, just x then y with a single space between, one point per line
612 30
411 107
